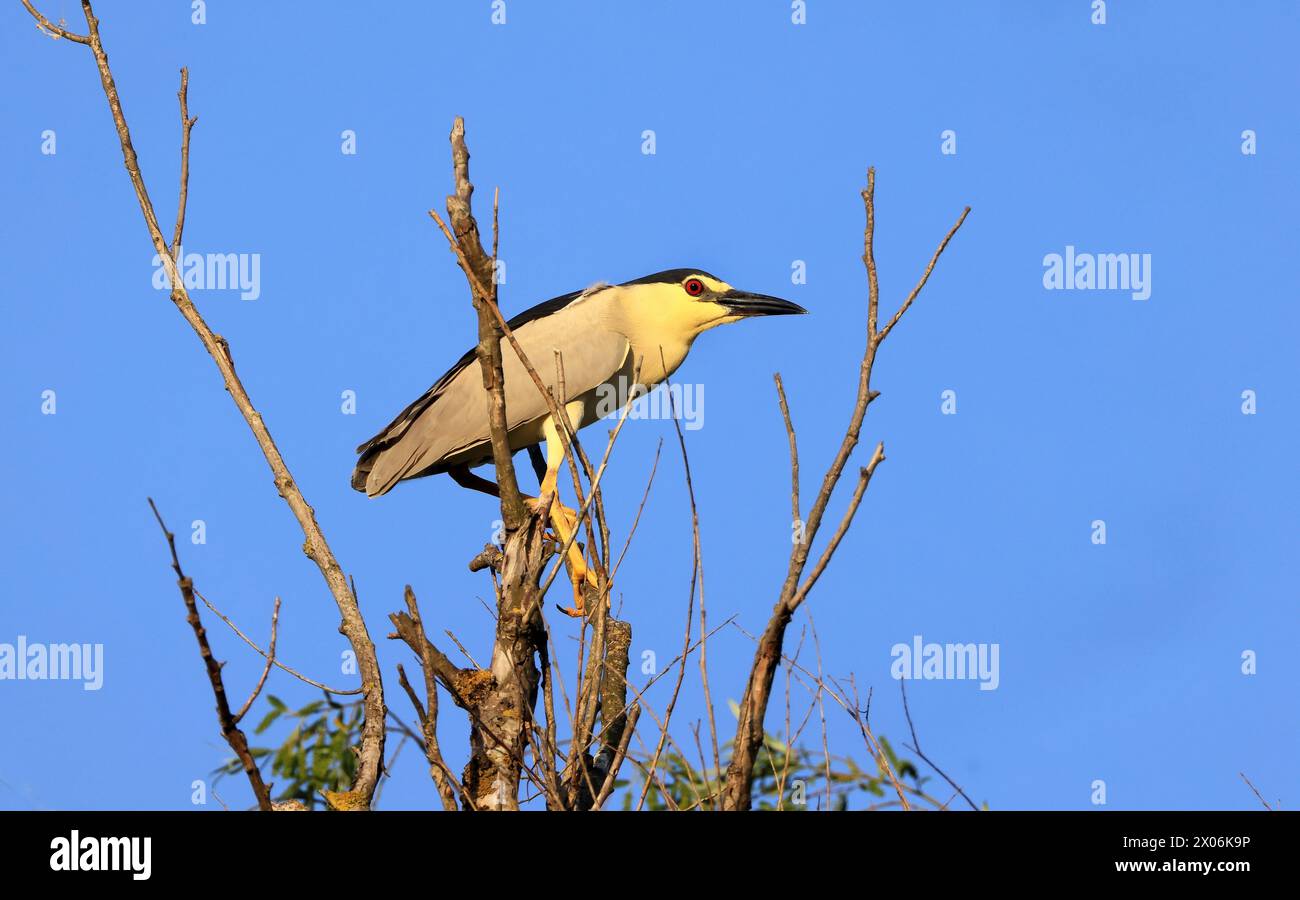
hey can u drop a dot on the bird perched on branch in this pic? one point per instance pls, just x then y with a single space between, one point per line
606 337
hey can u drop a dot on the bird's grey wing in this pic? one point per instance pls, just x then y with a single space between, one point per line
396 428
451 417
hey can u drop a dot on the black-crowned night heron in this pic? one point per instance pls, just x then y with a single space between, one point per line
604 335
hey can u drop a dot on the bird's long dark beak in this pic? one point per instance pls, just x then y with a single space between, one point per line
743 303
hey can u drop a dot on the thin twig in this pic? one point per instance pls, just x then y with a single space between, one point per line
873 745
925 276
794 450
187 125
1256 790
916 748
262 653
690 612
461 647
697 551
270 660
632 717
229 725
654 467
443 778
864 479
821 708
49 29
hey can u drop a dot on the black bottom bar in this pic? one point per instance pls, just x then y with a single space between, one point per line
336 849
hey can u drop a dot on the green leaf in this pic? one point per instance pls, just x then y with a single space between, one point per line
267 720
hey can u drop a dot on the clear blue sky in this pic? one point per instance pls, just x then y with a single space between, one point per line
1119 662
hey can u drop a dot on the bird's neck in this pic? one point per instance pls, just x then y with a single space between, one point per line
658 358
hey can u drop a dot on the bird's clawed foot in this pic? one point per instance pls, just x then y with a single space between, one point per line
564 522
581 579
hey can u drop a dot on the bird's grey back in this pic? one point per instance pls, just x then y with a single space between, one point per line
451 418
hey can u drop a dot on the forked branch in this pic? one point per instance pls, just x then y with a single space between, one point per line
795 589
229 721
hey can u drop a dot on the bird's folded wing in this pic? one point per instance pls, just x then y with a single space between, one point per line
452 416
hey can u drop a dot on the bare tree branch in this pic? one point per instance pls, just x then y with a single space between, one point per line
873 745
501 714
473 690
480 270
864 479
620 755
443 778
270 661
48 28
187 125
690 624
821 710
697 553
925 276
229 723
753 706
794 453
607 672
410 629
278 664
1256 790
371 754
915 747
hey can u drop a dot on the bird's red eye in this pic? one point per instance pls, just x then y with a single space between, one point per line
694 287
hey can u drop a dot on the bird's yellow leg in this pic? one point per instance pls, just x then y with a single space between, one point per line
579 572
564 520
